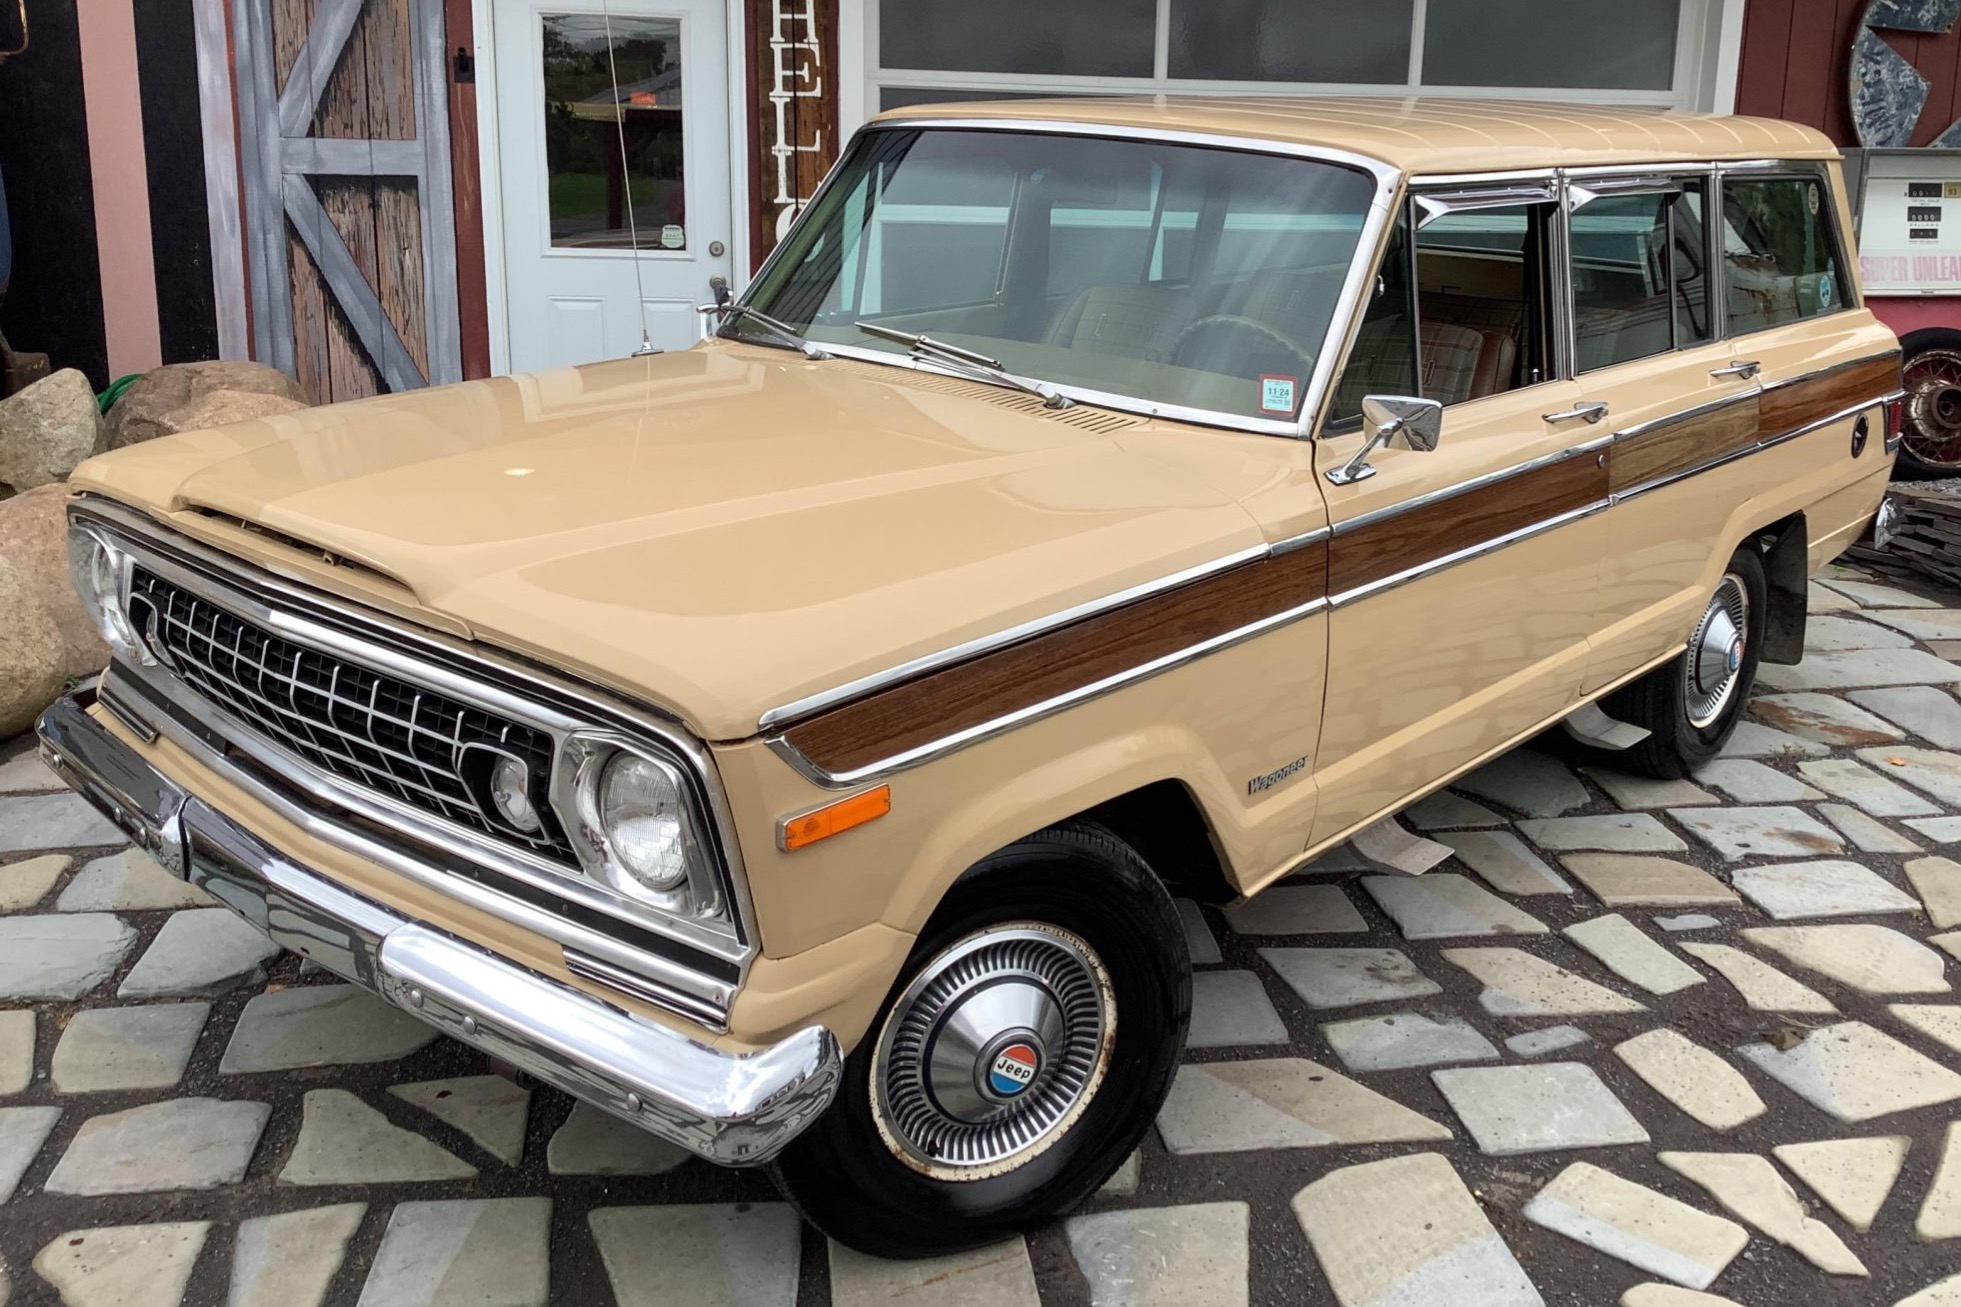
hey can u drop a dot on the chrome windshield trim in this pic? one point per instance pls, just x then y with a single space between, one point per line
1348 309
790 713
1047 708
1465 554
1437 496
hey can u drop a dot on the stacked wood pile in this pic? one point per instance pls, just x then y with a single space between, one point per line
1929 542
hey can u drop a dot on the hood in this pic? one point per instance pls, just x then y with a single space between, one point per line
718 531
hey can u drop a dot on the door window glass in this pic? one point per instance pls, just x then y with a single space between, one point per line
1383 361
1481 301
1689 250
1621 298
1780 263
613 132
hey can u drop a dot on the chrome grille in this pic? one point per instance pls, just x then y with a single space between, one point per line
365 727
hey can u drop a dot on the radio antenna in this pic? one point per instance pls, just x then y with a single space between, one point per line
626 183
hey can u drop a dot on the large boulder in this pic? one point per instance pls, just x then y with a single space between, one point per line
47 429
34 539
180 397
30 655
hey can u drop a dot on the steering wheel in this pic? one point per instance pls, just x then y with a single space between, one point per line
1227 327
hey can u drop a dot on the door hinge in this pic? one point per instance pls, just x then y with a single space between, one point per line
463 67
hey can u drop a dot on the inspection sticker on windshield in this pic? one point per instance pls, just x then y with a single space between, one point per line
1277 394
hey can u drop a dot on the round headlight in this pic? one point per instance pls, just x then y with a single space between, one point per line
96 573
510 794
639 810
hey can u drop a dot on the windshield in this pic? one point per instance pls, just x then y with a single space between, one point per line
1163 273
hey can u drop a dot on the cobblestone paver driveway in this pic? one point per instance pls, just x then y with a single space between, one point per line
1641 1043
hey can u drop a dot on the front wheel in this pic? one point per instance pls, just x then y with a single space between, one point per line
1691 705
1023 1053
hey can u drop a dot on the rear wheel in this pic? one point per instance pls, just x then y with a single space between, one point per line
1691 705
1931 430
1023 1053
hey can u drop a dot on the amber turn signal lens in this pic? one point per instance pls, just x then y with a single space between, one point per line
834 818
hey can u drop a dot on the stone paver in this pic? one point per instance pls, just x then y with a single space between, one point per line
1198 934
1625 882
1871 959
1921 623
1776 832
1940 1212
1124 1180
1163 1257
1860 669
1853 1176
22 1132
24 884
1691 1077
491 1110
1791 891
1941 830
289 1260
1527 782
1650 1230
60 957
1645 793
1446 811
1223 1107
1406 1039
1550 1039
1933 715
130 881
1406 1231
1540 1108
1748 1187
1443 906
1820 600
1623 949
345 1141
1231 1008
592 1142
1864 788
24 773
1867 834
1345 977
183 1143
1764 988
1520 984
1854 1073
32 823
1838 634
1939 1022
1748 781
1687 921
1755 740
1950 941
1625 832
1827 719
998 1273
1296 910
706 1255
470 1252
123 1265
1934 772
110 1048
320 1025
1938 882
1868 595
16 1050
1671 1295
1502 860
203 953
1945 1293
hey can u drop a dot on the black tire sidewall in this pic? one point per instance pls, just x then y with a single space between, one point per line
844 1177
1700 744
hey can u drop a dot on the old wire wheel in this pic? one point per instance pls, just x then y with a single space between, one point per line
1932 435
993 1051
1716 653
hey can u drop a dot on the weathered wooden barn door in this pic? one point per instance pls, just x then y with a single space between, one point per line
345 137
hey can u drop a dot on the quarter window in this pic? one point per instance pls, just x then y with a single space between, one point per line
1638 284
1780 261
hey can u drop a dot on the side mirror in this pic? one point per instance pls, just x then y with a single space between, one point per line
1417 423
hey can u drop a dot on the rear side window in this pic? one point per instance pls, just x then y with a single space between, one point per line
1780 259
1638 288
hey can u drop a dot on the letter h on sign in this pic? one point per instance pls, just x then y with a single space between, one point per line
797 73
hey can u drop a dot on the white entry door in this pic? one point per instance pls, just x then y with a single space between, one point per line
612 124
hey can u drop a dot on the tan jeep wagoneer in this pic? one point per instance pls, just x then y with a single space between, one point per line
790 745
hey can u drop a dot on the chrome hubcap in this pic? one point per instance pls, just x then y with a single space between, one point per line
1716 653
992 1051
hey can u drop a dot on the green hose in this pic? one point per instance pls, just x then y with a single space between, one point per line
107 399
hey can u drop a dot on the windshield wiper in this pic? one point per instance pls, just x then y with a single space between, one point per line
782 333
973 364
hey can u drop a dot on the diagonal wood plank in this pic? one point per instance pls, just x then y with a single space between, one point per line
313 66
351 291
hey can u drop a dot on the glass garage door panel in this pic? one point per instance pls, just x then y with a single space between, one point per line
1288 41
1607 44
1075 38
593 132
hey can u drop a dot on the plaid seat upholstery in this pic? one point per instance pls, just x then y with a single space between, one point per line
1606 336
1379 363
1138 322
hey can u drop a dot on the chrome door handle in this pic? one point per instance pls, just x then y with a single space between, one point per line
1745 370
1590 412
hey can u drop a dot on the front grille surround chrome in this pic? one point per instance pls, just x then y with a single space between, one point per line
699 962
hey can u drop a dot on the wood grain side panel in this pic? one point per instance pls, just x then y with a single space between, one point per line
1383 549
980 690
1789 407
1680 445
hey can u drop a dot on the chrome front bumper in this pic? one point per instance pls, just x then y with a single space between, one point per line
733 1109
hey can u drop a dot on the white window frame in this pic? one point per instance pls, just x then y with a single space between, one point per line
1708 41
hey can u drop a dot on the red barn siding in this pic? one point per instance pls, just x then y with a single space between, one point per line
1796 61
